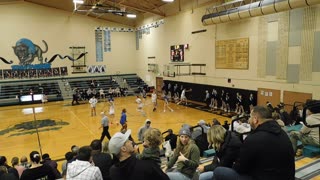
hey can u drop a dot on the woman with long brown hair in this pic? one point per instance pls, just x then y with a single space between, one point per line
187 156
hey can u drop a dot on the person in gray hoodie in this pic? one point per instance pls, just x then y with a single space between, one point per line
82 168
143 129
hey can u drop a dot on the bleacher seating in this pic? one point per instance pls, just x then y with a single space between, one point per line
11 91
135 82
101 82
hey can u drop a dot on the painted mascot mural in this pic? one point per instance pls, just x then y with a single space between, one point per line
27 51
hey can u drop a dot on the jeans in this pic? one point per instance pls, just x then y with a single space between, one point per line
304 138
206 175
224 173
177 176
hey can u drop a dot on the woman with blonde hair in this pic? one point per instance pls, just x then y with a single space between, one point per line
227 146
152 139
187 156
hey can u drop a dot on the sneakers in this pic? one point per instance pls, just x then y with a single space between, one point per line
164 110
171 110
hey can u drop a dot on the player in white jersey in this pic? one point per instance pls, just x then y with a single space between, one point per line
140 106
183 97
154 100
93 102
166 102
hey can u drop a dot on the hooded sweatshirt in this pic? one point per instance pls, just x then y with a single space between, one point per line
312 119
142 130
267 154
135 169
83 170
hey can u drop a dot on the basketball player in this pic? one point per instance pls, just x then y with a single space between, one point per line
154 100
140 106
166 102
93 102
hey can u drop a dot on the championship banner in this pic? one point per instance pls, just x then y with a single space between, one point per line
107 41
99 50
96 69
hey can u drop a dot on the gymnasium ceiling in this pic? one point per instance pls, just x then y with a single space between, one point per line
138 7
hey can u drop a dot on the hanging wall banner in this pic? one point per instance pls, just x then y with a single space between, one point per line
99 50
96 69
107 41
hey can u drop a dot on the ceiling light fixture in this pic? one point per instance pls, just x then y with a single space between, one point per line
167 0
78 1
131 15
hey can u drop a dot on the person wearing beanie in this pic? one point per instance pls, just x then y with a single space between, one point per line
186 155
143 129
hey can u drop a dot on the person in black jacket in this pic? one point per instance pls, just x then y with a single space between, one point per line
102 160
129 167
227 147
266 153
37 170
172 138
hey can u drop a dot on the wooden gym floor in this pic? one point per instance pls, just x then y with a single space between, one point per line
61 125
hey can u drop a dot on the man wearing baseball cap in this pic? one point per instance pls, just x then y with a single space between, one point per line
128 166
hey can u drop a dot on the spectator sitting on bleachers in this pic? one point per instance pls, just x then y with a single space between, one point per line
241 126
102 160
68 156
276 117
24 162
227 147
117 92
128 166
89 93
308 136
172 138
101 94
258 161
37 170
3 162
152 139
186 155
53 164
15 164
5 175
82 168
198 130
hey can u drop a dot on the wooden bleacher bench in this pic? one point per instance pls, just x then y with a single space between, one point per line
197 102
